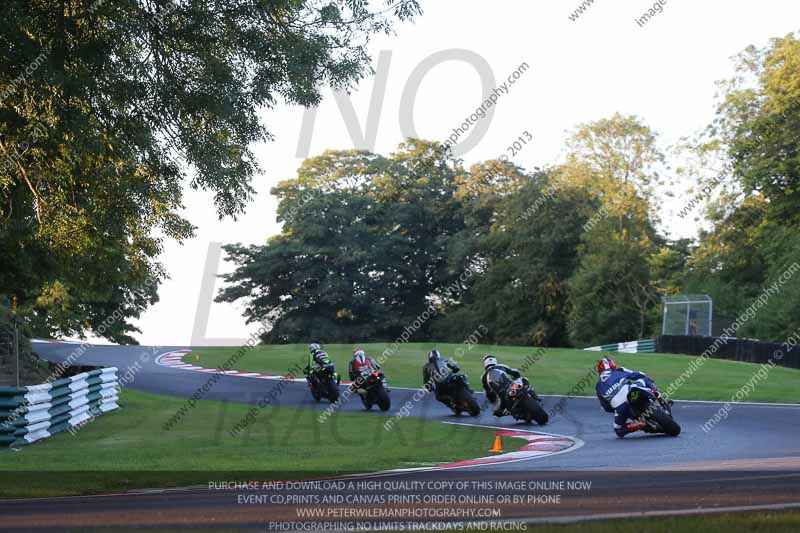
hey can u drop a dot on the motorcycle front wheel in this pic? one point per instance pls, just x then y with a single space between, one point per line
315 393
467 400
534 411
365 401
665 422
383 400
333 391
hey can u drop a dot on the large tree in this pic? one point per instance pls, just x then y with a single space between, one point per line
753 238
619 163
522 231
619 148
612 294
364 246
109 107
758 123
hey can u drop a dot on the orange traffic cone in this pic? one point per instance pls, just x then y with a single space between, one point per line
498 445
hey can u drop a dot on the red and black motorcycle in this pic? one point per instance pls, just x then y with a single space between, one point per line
372 390
524 404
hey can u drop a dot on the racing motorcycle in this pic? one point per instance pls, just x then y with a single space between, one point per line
373 391
459 395
524 404
325 384
650 409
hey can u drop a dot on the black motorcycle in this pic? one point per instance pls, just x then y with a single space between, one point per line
373 391
324 383
458 396
652 410
524 404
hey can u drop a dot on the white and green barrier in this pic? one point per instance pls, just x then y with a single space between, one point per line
641 346
28 414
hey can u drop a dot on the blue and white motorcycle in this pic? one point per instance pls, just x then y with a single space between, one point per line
650 409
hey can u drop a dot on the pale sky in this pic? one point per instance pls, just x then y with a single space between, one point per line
603 63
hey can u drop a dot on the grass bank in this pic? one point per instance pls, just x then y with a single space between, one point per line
129 449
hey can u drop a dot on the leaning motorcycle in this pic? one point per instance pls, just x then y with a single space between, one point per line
650 409
524 404
325 384
373 391
460 397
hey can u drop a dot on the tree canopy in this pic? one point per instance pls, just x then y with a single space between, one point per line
365 241
108 108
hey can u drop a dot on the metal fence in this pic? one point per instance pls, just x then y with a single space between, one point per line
688 314
746 350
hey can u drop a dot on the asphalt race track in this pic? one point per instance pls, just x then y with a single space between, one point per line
751 459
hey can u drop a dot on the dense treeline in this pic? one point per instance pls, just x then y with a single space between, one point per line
108 109
568 254
370 242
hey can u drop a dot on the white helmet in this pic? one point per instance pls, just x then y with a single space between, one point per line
489 360
359 356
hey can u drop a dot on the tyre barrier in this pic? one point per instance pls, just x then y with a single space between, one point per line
640 346
29 414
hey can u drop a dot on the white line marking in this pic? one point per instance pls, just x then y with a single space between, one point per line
749 404
645 514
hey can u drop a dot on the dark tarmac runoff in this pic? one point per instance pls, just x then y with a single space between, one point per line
751 460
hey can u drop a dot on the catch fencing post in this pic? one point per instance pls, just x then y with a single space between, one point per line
16 338
710 318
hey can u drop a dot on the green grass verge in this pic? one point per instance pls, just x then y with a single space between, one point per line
556 371
129 449
766 522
